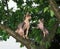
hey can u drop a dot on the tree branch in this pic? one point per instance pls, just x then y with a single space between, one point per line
55 9
27 42
18 38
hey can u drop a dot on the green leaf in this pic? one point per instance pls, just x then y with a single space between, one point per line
45 9
58 30
51 13
47 44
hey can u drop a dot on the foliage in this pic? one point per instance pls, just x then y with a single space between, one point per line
42 10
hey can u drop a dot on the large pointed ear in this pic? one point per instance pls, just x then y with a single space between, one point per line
42 19
27 14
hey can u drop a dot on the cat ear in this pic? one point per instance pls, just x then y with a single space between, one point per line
42 19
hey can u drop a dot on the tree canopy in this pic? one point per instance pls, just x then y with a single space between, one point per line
47 9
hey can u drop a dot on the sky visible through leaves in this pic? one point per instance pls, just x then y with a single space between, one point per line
11 42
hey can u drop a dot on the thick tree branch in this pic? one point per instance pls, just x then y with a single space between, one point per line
27 42
13 34
55 9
